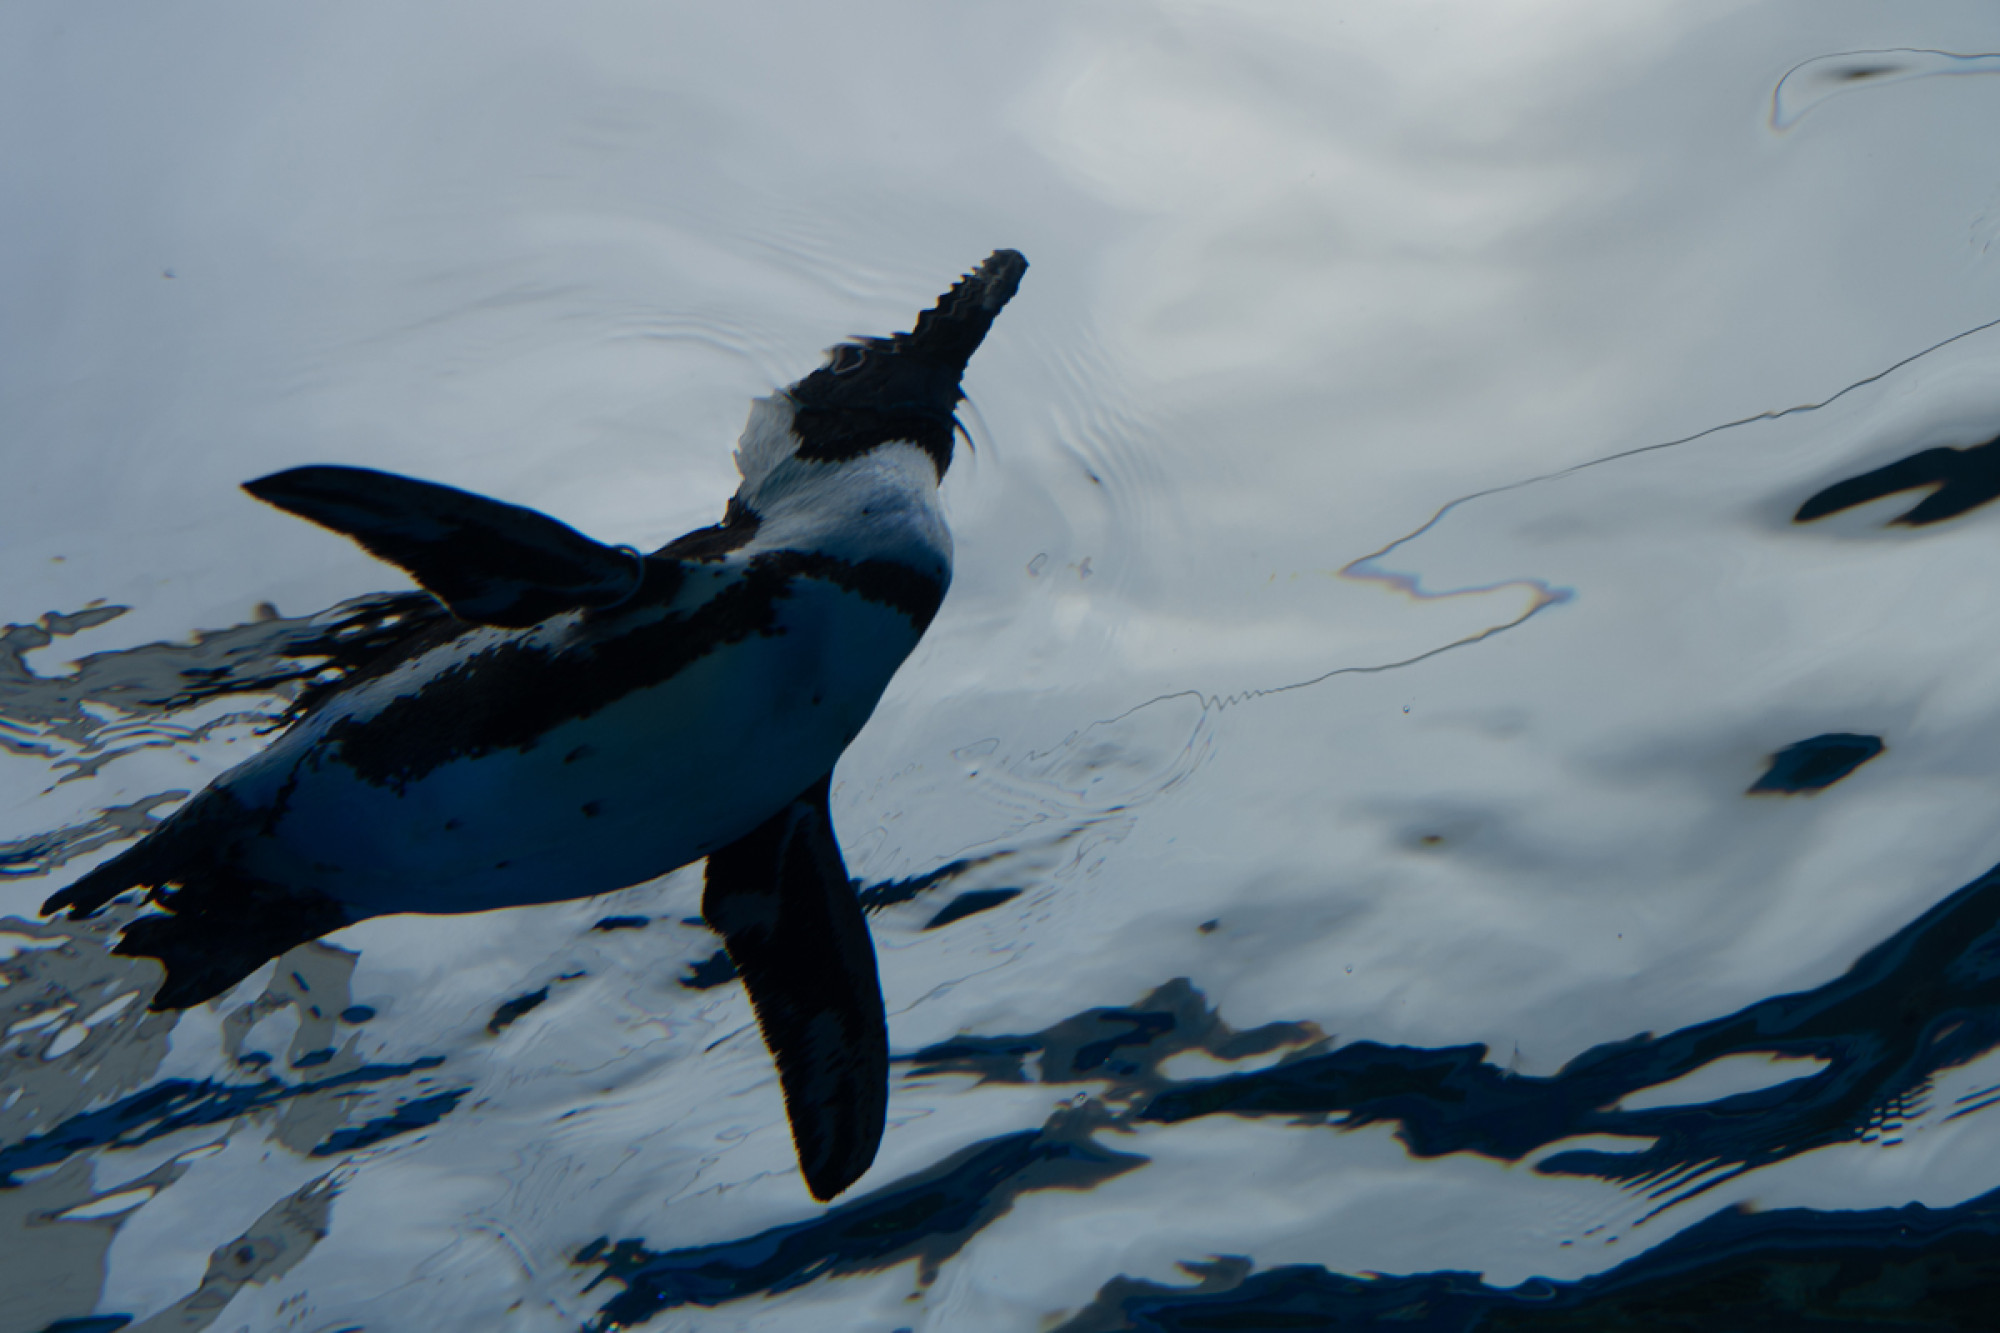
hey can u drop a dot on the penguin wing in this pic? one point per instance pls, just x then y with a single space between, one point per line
782 901
491 563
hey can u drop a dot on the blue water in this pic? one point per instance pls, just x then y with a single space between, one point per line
1454 788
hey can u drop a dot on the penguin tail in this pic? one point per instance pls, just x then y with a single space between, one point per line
134 868
181 848
218 923
219 928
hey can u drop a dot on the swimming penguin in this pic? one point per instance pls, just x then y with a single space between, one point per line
569 718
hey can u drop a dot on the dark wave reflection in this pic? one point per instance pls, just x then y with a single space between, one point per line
1924 1001
1816 763
1795 1270
1958 481
925 1218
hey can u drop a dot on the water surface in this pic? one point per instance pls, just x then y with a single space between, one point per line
1453 788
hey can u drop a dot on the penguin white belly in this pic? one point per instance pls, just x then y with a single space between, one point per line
638 786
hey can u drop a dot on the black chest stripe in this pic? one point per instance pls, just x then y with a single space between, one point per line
513 694
887 582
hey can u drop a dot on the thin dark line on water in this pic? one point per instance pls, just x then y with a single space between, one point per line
1218 702
1547 596
1774 414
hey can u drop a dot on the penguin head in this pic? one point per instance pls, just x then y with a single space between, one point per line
874 391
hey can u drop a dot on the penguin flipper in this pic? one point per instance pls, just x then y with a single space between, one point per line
782 901
489 562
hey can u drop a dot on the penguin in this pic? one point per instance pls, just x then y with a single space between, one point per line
559 718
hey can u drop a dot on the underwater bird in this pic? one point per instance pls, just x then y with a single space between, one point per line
570 718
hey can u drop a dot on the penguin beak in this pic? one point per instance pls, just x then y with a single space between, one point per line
906 387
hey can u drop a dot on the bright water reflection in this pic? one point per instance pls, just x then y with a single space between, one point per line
1460 747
